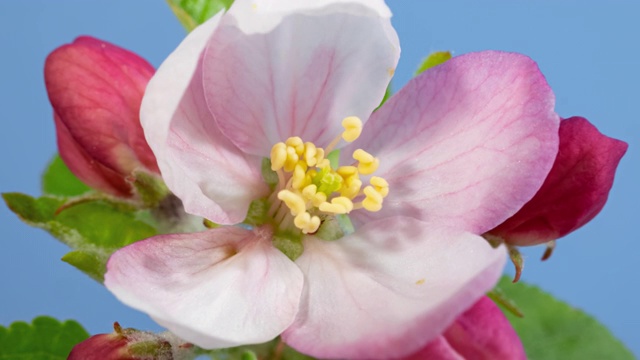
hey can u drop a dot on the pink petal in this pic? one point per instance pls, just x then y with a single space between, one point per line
480 333
467 143
212 177
219 288
575 190
297 69
95 89
388 289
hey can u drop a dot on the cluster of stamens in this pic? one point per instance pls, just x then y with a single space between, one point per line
311 189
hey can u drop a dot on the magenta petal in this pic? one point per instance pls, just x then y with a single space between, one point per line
467 143
96 89
219 288
480 333
87 169
388 289
297 68
575 190
212 177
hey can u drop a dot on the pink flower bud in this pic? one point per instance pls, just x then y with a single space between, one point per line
575 190
131 344
480 333
96 89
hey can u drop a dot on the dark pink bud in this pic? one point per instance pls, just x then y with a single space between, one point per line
480 333
131 344
96 89
575 190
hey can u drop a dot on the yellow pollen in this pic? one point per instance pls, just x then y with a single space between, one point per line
307 223
310 153
312 190
380 185
278 156
352 128
294 202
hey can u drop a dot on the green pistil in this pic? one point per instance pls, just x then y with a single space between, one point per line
327 181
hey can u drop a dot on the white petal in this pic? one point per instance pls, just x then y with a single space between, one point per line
297 69
388 289
212 177
219 288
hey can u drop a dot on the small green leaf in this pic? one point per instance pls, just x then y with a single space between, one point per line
95 228
45 339
434 59
59 180
92 264
192 13
551 329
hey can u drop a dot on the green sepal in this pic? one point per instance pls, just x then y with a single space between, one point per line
44 339
434 59
334 158
192 13
289 243
335 227
257 213
150 189
269 176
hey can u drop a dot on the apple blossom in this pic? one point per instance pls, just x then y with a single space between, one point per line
575 190
96 89
480 333
373 258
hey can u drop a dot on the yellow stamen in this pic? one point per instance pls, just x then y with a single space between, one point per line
294 202
306 180
296 143
352 128
380 185
278 156
307 223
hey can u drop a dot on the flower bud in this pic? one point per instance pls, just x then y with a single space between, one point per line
96 89
131 344
481 333
573 193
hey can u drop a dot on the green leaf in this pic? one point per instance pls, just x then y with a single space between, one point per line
94 228
434 59
551 329
45 339
59 180
192 13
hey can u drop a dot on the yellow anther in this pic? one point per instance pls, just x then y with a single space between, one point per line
352 128
310 193
351 187
296 143
347 171
310 152
339 205
380 185
292 159
368 168
323 163
307 223
372 194
344 202
363 156
319 155
299 178
371 205
278 156
294 202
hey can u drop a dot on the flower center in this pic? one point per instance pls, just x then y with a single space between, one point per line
310 190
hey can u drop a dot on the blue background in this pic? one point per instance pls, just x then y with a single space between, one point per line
588 50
